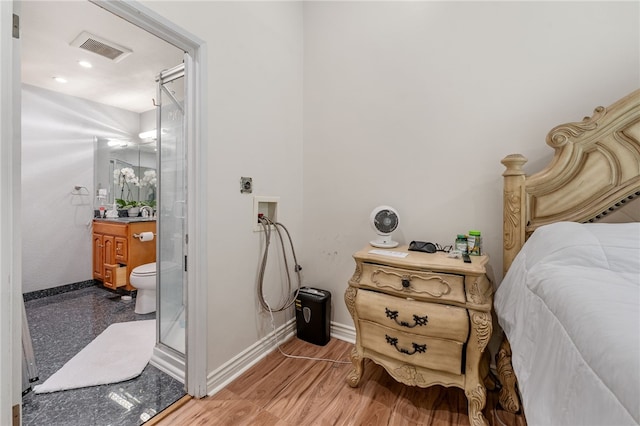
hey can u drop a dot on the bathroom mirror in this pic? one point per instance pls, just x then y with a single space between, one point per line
124 170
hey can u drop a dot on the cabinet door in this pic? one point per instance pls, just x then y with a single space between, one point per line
109 249
121 250
98 253
108 277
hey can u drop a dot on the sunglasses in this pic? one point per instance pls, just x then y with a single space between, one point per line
426 247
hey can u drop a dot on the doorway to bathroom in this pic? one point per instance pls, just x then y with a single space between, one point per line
187 168
185 357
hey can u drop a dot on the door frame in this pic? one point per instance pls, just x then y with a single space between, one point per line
10 227
10 198
195 132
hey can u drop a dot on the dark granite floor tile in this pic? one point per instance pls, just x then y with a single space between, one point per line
61 325
57 290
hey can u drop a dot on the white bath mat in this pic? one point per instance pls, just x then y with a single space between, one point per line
119 353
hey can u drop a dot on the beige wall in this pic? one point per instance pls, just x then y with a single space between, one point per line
337 107
414 104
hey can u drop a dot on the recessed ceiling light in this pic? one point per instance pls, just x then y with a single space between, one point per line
85 64
60 79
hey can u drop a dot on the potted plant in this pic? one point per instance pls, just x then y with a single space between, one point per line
123 178
133 209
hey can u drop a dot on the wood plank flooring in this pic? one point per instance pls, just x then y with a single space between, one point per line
282 391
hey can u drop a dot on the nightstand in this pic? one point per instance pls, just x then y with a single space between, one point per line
425 318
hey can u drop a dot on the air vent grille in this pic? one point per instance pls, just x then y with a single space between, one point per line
100 46
101 49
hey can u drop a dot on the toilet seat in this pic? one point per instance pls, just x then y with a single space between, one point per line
146 270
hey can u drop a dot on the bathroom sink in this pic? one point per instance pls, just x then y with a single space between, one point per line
128 219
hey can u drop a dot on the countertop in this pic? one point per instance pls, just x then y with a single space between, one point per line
125 219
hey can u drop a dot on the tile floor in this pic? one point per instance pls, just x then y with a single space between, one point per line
61 325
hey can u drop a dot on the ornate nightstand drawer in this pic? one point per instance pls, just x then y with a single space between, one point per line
414 284
433 353
426 319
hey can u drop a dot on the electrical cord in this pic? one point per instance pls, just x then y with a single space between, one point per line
266 225
275 336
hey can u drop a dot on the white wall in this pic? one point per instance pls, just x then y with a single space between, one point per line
58 134
411 104
414 104
254 54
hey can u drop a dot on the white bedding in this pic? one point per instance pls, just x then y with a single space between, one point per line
569 306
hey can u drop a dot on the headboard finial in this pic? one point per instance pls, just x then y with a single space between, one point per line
514 163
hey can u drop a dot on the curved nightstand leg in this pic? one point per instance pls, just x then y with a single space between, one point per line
358 367
508 395
477 368
477 398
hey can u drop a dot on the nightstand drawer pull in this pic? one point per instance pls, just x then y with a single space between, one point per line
393 341
435 285
417 320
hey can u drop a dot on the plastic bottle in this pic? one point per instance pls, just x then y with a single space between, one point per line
461 243
474 243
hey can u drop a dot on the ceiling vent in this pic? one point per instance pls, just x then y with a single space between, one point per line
100 46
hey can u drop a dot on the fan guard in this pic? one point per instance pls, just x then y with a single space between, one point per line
384 220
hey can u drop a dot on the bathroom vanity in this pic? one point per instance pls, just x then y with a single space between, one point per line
117 250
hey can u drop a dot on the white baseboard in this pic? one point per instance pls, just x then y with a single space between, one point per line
343 332
218 379
165 360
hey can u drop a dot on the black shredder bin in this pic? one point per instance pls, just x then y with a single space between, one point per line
313 315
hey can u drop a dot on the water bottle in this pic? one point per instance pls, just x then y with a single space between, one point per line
461 243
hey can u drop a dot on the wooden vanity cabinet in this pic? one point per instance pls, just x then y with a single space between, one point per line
98 256
116 252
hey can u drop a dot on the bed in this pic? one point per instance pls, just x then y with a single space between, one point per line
569 300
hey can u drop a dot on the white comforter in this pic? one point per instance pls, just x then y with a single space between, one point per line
570 308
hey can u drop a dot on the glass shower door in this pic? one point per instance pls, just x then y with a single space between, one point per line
172 214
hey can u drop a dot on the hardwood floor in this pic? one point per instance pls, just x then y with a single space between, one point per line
282 391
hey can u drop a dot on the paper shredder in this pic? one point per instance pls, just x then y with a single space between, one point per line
313 315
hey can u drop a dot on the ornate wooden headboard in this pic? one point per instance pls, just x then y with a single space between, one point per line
595 170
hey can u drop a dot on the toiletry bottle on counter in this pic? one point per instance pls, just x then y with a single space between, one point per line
474 243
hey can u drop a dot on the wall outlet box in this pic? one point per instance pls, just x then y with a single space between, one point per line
266 206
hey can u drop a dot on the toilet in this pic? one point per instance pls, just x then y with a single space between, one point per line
143 278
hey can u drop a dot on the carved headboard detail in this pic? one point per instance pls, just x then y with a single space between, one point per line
595 170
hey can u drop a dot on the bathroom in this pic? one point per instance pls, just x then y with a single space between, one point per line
67 128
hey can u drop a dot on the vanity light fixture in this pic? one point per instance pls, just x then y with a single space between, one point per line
150 134
85 64
117 143
60 79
